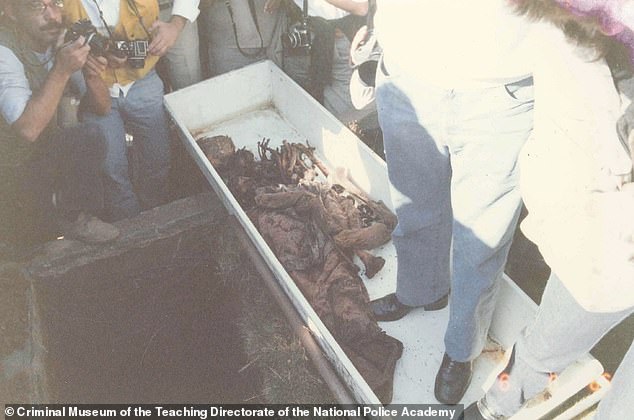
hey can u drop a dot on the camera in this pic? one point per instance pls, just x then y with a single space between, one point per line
134 51
99 44
299 39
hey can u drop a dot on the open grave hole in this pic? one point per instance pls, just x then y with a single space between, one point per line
147 319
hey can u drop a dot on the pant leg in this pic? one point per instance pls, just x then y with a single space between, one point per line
30 215
183 59
337 93
560 334
297 67
68 165
120 199
146 120
80 153
411 117
619 403
551 346
486 130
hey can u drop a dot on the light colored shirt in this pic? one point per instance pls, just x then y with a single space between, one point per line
453 43
15 91
102 12
321 8
185 8
108 10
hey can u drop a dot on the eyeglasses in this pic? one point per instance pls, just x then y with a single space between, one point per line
38 6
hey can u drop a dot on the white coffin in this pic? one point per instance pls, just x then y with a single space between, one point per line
260 101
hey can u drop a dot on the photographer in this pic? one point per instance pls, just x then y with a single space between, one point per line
324 68
51 178
137 102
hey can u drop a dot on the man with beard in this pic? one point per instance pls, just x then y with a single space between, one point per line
50 174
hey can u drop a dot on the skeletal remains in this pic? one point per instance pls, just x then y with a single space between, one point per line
315 223
287 177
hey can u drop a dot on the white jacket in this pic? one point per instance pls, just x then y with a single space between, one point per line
574 172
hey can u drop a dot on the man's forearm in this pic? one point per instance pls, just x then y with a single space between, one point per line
98 95
178 21
41 108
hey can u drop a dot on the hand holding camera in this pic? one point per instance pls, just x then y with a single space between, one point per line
95 66
71 56
98 43
118 53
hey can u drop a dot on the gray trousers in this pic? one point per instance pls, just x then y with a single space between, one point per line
182 61
560 334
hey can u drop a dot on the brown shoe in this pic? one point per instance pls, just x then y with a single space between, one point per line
90 230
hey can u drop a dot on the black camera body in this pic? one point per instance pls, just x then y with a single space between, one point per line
299 39
135 52
99 44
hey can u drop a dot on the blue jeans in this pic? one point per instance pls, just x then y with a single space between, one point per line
141 114
451 158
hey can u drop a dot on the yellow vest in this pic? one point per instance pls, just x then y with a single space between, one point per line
128 28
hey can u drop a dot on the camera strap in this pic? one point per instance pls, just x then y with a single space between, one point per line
370 15
235 29
105 24
135 9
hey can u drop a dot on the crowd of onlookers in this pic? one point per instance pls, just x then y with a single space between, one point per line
100 93
482 105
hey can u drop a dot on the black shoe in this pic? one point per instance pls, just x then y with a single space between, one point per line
389 308
452 380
